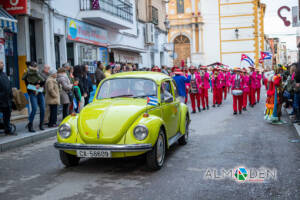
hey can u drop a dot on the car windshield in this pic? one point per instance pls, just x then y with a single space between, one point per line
127 87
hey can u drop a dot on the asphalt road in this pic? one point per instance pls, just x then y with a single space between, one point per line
219 141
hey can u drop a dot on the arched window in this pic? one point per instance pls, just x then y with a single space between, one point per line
180 6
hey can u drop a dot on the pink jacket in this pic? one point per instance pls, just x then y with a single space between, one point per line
233 86
246 83
198 81
228 79
253 80
216 82
205 81
223 82
258 81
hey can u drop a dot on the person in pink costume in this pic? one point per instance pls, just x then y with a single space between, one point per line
246 88
204 87
252 83
258 85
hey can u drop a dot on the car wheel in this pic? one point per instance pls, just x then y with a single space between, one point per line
156 157
184 139
68 160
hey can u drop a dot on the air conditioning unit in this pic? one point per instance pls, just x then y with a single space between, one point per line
150 33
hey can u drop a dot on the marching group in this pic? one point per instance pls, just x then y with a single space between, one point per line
195 83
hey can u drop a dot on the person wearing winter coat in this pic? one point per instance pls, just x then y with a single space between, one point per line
65 90
99 74
5 99
34 83
52 97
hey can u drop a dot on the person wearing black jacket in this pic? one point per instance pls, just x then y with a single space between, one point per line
5 99
78 73
87 84
34 82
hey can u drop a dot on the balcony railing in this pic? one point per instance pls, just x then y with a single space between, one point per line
118 8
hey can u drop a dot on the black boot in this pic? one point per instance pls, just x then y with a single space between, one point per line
199 109
213 106
30 127
41 127
207 107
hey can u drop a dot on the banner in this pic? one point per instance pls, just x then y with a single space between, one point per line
15 7
85 33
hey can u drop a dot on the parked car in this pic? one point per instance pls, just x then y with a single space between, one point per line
132 113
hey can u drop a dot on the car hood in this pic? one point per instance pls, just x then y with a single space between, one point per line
106 121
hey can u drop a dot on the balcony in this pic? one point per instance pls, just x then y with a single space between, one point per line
117 14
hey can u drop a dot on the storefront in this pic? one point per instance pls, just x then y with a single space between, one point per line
86 44
8 46
126 55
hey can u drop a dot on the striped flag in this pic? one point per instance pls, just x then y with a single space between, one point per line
152 101
265 55
247 59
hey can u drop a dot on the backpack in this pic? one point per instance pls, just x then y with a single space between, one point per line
19 99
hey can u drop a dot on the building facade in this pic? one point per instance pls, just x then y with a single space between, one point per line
205 32
84 31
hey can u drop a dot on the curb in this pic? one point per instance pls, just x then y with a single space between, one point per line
26 138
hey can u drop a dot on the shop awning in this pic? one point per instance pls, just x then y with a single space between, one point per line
7 21
126 48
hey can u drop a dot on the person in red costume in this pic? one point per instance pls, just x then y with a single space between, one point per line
258 85
217 87
223 84
237 85
265 80
246 88
156 69
204 87
194 90
252 83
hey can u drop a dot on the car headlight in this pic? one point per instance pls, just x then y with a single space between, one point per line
64 130
140 132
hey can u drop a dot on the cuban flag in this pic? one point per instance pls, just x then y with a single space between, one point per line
152 101
247 59
265 55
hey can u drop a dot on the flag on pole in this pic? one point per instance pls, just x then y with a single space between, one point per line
152 101
247 59
265 55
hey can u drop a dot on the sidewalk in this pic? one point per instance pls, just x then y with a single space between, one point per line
297 127
24 137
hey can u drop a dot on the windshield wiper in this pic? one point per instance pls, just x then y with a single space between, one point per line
143 96
123 95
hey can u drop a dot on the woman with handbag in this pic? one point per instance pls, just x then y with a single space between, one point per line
65 87
237 84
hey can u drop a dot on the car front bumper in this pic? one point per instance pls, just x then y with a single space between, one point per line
107 147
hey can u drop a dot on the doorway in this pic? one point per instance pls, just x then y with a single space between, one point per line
182 49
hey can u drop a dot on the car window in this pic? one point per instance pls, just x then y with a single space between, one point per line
166 91
175 89
127 87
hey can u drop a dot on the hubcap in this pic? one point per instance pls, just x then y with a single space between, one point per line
160 149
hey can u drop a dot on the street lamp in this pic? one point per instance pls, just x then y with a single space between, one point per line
236 33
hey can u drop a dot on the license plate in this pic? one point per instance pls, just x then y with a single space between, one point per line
93 154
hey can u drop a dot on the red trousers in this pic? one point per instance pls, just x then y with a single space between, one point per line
217 95
204 97
193 98
252 96
257 94
245 97
266 84
237 103
225 92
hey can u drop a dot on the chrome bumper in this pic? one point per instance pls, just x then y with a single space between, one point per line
107 147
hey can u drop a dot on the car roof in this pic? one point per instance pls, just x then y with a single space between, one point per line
155 76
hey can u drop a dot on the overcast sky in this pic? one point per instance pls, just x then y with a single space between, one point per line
274 25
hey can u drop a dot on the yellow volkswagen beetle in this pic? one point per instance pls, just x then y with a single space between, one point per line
132 113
